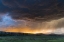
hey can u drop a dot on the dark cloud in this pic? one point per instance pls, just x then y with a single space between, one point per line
34 9
13 13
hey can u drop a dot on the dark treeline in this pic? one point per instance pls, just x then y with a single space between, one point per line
24 34
12 34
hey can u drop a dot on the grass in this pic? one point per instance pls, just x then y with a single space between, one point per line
30 39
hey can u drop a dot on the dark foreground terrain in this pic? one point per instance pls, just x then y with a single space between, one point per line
18 37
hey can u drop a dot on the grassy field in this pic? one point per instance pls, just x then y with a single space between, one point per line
31 39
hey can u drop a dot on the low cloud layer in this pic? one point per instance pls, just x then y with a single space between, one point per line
51 27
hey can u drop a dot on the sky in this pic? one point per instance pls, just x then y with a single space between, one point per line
32 16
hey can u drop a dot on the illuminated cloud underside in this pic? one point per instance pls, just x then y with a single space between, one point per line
10 25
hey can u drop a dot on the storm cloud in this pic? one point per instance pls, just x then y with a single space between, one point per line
44 10
32 16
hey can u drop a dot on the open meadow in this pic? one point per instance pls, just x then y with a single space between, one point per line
31 39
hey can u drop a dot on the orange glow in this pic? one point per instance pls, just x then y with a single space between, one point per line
28 30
